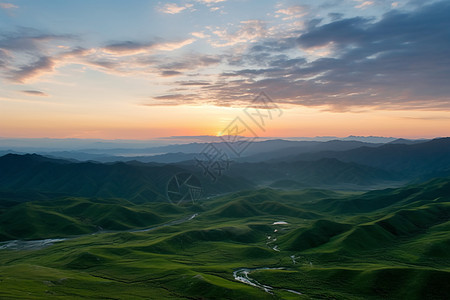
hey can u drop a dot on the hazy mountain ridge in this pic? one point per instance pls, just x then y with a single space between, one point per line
411 159
259 150
141 182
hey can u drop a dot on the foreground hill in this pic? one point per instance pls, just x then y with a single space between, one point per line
255 244
69 216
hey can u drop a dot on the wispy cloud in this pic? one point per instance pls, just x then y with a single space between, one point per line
28 54
131 47
25 72
35 93
399 61
210 2
199 35
363 4
24 54
248 31
174 100
193 83
173 8
292 12
8 6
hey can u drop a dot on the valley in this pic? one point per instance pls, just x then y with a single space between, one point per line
261 244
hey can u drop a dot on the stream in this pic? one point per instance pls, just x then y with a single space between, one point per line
242 275
39 244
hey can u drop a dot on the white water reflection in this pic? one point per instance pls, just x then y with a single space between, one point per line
39 244
242 275
280 223
28 245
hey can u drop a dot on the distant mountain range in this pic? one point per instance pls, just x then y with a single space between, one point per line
146 151
350 165
54 144
425 159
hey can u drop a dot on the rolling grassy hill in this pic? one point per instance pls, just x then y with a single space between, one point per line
384 244
70 216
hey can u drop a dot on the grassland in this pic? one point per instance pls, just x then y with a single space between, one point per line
386 244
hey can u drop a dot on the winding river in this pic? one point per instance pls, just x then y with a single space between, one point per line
242 275
39 244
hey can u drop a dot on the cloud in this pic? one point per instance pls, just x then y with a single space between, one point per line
27 40
25 72
400 61
199 35
210 2
169 73
190 62
8 6
127 47
34 93
364 4
193 83
346 31
174 100
169 97
132 48
249 31
3 59
27 54
173 8
142 63
292 12
170 46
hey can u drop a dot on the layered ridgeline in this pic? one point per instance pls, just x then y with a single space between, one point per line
382 244
421 159
333 164
147 182
134 181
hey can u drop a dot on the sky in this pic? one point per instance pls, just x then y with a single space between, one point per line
146 69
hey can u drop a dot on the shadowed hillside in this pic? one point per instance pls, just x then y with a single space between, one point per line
381 244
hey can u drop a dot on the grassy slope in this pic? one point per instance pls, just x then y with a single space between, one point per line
382 244
76 216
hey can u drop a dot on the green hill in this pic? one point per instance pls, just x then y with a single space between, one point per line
385 244
76 216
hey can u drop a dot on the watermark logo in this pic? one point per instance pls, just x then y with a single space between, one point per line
184 188
214 159
233 136
263 110
237 136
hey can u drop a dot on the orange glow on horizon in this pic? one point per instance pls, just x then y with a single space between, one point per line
147 123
